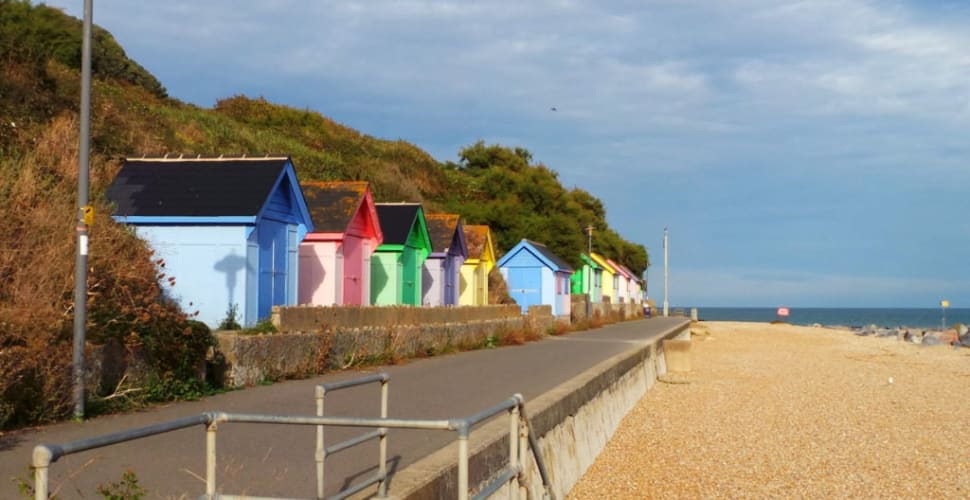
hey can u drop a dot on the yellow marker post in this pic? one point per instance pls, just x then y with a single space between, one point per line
88 213
943 305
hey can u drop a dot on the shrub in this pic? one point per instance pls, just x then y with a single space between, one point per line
230 321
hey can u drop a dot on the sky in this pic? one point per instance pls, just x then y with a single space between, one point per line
808 153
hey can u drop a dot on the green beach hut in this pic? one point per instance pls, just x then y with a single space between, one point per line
588 279
397 265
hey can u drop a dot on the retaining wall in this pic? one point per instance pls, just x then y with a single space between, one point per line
574 420
315 340
323 318
604 310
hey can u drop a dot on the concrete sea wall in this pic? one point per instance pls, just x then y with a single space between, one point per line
574 422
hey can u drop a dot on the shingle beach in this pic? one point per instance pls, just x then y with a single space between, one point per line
782 411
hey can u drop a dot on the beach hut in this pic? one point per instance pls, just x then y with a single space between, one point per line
588 279
609 278
633 286
228 229
442 268
473 288
535 276
397 265
621 282
335 257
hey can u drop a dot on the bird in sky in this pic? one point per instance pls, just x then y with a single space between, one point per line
553 109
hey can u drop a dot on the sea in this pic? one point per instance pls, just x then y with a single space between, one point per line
913 318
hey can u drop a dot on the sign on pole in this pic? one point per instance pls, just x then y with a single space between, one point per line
943 305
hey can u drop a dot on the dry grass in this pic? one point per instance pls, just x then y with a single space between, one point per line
38 202
780 411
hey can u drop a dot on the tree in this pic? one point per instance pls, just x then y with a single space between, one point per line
518 199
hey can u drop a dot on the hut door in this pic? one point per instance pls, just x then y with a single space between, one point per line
451 274
411 278
273 256
525 286
353 251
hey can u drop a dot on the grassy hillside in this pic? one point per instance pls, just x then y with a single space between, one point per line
133 115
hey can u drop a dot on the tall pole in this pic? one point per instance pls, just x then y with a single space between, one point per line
666 304
592 275
81 263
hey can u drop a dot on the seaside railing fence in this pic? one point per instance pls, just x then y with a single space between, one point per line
521 439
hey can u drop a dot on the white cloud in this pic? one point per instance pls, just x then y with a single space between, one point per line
861 57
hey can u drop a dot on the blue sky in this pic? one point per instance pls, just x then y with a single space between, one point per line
802 153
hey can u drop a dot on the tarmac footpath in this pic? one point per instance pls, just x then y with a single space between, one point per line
278 460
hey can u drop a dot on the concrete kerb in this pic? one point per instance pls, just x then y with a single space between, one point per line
574 421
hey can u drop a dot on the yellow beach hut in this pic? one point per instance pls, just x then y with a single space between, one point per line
473 290
609 277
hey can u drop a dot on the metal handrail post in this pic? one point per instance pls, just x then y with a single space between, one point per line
523 450
210 458
513 450
534 444
463 430
320 452
42 462
382 454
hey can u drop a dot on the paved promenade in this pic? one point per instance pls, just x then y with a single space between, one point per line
264 460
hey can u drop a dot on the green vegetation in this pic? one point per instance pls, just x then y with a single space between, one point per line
127 489
230 322
132 115
517 199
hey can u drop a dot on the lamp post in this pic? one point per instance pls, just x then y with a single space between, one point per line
666 304
83 218
591 275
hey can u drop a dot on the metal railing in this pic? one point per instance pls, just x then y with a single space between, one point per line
380 433
520 440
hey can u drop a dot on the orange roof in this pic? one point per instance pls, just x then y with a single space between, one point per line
332 204
441 228
476 237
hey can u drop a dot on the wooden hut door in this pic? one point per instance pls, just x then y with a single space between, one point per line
452 268
525 286
273 257
411 278
353 251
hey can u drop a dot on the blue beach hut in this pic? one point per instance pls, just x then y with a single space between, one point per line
228 229
535 276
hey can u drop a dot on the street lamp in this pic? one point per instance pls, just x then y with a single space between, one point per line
666 304
84 215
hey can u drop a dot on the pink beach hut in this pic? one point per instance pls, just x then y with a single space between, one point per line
634 292
623 277
335 257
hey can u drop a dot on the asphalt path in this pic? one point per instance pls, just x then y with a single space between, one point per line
276 460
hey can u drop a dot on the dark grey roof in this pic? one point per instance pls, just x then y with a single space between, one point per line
194 187
544 250
396 221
